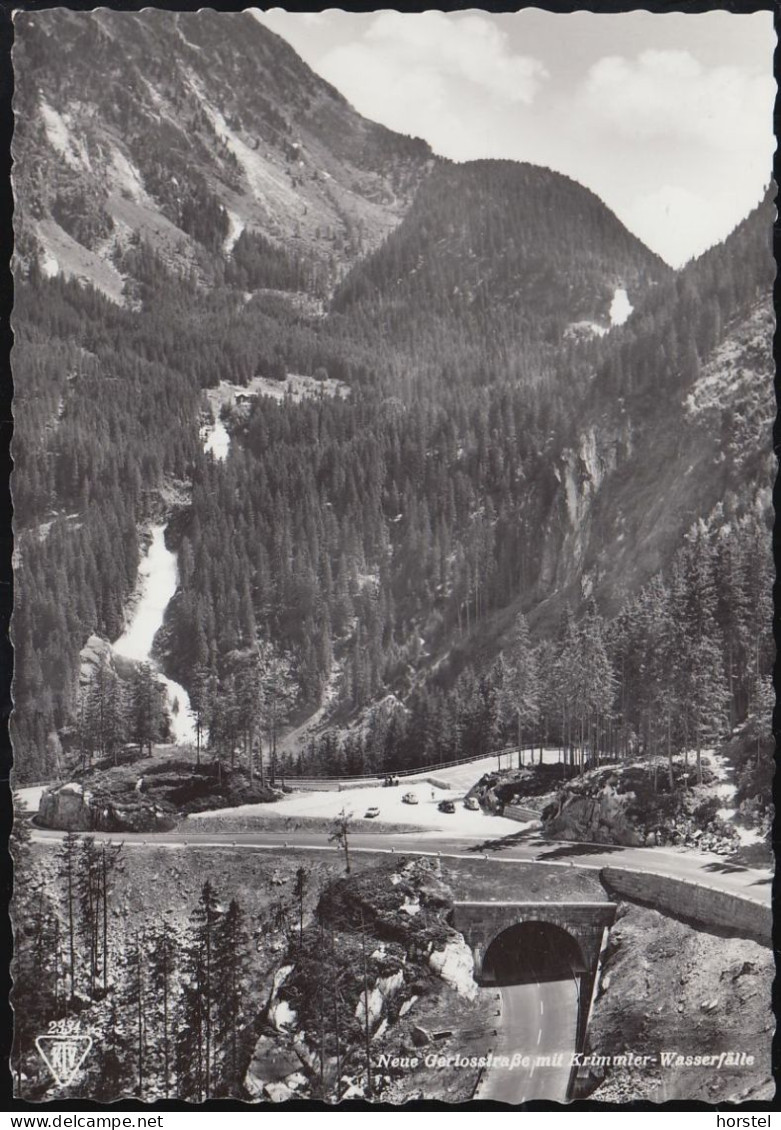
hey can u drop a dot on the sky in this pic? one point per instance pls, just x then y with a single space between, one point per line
668 118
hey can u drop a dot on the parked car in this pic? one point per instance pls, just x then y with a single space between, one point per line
409 798
471 803
446 806
371 812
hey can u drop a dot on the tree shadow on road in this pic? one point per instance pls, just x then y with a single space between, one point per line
724 868
526 836
562 851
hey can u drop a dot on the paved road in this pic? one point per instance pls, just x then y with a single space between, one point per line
539 1020
698 867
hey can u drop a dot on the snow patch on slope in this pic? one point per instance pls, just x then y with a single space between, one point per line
49 264
620 307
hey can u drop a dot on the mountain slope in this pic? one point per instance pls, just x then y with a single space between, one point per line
498 248
186 129
499 450
679 417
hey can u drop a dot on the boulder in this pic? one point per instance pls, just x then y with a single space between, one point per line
376 1002
278 1092
282 1016
68 808
271 1063
600 817
407 1006
420 1037
72 808
456 966
389 986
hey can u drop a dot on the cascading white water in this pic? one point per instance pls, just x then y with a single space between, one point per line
158 576
620 307
216 440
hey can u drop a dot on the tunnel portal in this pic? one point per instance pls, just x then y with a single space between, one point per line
513 939
532 951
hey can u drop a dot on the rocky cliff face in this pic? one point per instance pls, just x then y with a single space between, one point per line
632 485
601 817
715 990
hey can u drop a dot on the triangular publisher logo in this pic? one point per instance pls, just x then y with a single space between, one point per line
63 1055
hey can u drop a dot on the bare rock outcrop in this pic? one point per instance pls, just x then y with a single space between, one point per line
74 808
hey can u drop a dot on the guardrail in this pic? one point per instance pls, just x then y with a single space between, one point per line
421 770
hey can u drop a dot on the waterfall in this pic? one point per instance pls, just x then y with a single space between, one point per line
158 576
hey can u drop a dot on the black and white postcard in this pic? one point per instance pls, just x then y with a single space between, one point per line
393 568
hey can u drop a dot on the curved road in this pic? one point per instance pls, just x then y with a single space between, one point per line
694 867
538 1018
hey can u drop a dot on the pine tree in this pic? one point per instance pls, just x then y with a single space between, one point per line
341 835
37 960
196 1038
135 1005
67 868
230 967
146 708
163 963
104 712
521 690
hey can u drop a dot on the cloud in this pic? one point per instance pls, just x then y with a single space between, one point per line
471 48
668 94
419 73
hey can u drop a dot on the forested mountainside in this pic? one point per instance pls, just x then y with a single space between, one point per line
198 214
498 257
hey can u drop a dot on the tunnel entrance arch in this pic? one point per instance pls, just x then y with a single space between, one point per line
583 925
532 951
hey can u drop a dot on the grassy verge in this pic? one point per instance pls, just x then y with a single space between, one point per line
482 880
274 822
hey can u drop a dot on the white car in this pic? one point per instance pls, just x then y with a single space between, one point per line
409 798
371 812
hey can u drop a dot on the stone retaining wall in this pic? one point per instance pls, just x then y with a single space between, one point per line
520 813
694 902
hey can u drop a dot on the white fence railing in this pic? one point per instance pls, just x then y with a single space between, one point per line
420 771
